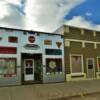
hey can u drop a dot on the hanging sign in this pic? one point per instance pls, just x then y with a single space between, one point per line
58 44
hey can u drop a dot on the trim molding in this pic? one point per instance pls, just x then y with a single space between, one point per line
83 42
81 63
75 40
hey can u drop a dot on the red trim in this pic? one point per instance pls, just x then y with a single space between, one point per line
8 50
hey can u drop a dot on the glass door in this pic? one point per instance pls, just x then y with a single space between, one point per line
90 68
28 70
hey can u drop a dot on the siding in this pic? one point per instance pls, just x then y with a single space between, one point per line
73 34
89 52
76 47
88 35
98 36
67 60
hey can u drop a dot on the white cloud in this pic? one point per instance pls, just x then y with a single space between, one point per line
80 21
88 14
10 16
3 9
41 15
48 14
16 2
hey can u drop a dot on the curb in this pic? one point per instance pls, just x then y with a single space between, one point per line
82 95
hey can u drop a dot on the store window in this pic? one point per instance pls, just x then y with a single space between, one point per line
53 65
76 64
7 66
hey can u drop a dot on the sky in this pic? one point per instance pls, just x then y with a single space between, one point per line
48 15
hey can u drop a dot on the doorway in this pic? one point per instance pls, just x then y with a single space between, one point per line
31 68
90 68
28 69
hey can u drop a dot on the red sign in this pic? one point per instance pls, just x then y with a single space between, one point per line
31 39
8 50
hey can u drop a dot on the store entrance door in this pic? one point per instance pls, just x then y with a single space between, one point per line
90 68
28 69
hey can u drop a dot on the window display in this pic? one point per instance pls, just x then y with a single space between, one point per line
53 65
7 66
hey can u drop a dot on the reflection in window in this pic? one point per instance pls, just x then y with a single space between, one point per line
7 66
76 64
53 65
90 63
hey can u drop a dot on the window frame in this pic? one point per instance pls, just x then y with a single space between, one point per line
93 59
82 64
55 59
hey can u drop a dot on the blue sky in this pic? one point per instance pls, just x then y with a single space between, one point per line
48 15
90 10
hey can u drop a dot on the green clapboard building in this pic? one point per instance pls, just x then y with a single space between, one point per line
81 53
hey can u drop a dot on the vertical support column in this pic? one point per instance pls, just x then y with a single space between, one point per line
83 44
82 31
94 33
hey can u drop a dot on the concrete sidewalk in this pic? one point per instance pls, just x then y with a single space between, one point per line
49 91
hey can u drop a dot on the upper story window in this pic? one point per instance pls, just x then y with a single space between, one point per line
13 39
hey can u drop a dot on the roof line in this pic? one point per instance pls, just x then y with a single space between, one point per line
82 28
25 30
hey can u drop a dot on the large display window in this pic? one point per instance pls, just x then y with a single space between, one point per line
7 66
76 64
53 65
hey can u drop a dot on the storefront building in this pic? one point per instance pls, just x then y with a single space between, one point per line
82 53
30 57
